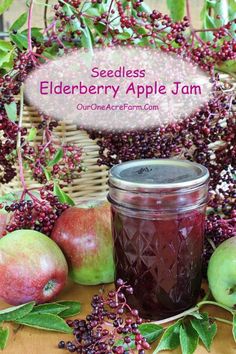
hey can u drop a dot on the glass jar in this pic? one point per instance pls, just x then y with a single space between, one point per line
158 212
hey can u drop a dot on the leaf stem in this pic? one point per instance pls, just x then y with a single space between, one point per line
180 315
223 320
203 303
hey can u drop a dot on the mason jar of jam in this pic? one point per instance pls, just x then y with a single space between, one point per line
158 213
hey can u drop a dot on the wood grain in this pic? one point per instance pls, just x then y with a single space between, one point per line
33 341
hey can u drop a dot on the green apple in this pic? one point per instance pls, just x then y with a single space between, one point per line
222 273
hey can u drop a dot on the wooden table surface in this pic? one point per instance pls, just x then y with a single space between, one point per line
25 340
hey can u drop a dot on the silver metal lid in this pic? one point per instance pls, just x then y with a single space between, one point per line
153 174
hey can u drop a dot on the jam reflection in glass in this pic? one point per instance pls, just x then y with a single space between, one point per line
161 258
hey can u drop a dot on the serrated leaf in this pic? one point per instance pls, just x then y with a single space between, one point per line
176 9
50 308
32 134
73 308
57 157
188 338
234 327
45 321
205 329
4 335
19 22
4 5
5 46
170 339
11 110
62 196
15 312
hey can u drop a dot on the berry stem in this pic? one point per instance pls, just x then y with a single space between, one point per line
30 14
18 145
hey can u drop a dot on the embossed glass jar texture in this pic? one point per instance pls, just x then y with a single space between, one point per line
158 212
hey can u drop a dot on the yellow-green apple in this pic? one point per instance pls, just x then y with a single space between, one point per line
84 235
222 273
32 268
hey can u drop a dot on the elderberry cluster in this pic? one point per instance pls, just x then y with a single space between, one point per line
35 212
111 327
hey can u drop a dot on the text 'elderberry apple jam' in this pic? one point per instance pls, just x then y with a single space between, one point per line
158 211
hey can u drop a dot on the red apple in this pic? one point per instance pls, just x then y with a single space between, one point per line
32 268
84 235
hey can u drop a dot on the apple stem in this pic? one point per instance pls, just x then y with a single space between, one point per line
203 303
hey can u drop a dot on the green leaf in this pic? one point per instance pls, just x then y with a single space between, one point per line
73 308
234 327
57 157
20 40
50 308
35 32
4 5
32 134
4 335
19 22
228 66
196 314
176 9
62 196
86 39
16 312
221 9
124 35
150 331
11 111
45 321
5 46
188 339
170 339
48 174
205 329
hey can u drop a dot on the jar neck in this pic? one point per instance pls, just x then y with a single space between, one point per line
164 200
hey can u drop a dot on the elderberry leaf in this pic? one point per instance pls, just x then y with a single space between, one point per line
11 111
19 22
57 157
5 46
188 338
16 312
234 327
32 134
62 196
176 9
4 5
73 308
170 339
35 32
4 335
45 321
205 329
20 40
50 308
150 331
